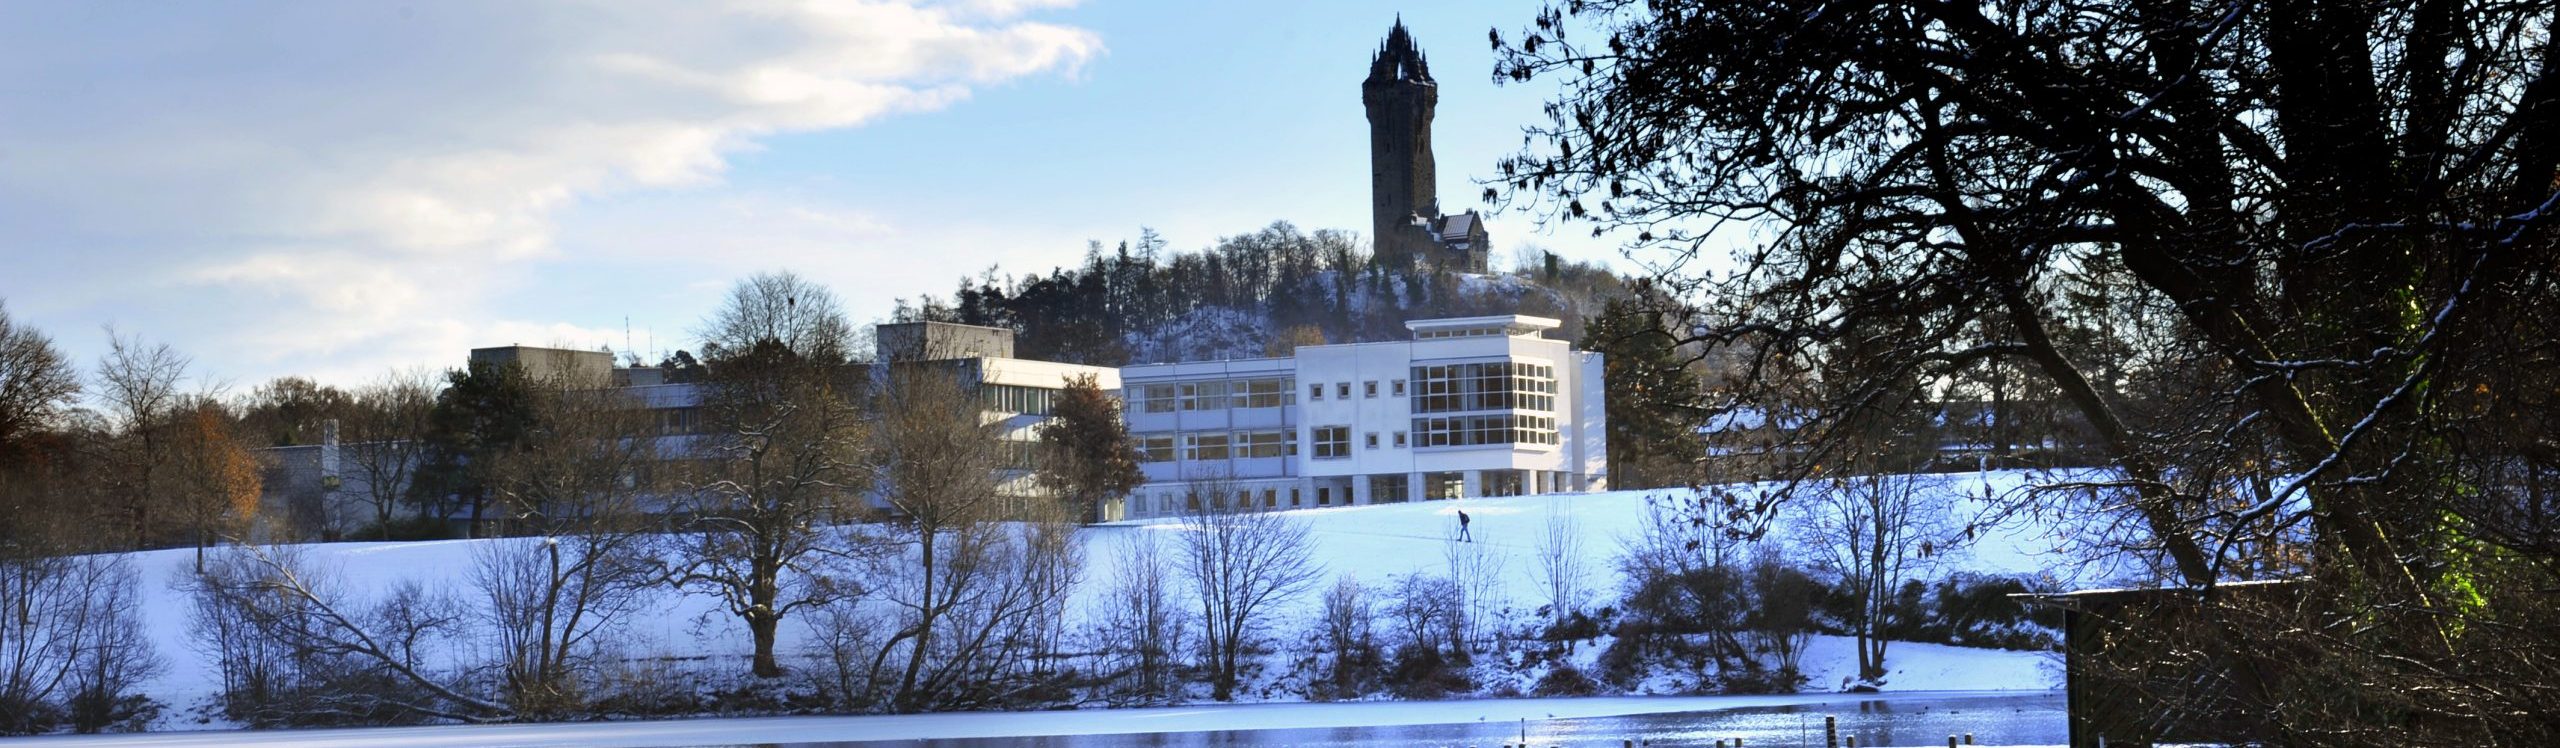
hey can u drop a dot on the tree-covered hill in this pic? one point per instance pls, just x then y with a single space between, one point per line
1253 294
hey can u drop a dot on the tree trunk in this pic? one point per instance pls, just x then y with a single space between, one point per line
1223 687
762 625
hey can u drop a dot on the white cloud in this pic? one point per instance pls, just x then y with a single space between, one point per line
345 185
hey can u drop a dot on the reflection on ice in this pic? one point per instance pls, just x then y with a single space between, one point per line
1875 720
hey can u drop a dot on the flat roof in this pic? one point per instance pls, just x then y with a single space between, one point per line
936 323
1508 321
1245 366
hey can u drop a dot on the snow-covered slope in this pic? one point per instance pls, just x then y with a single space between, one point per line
1374 543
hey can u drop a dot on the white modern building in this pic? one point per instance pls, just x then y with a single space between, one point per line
1473 406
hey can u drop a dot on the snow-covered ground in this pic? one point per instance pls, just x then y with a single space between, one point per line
1375 543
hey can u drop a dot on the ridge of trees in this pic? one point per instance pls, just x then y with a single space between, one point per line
1131 303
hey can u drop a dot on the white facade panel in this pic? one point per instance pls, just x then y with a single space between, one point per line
1350 413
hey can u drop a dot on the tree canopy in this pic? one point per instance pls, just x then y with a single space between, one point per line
2291 261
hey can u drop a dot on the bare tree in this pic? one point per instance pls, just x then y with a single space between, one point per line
1424 609
1783 598
215 481
1242 562
290 411
1562 572
977 578
1874 532
581 483
1346 626
781 456
138 384
781 310
333 658
2338 217
1684 580
385 440
36 381
70 644
1476 569
1144 626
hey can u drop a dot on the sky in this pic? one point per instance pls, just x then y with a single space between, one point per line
341 189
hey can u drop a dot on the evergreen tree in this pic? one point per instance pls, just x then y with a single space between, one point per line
484 409
1654 400
1085 452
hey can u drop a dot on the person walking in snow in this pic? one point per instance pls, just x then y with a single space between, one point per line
1462 527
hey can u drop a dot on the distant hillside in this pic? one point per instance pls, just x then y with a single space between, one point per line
1249 295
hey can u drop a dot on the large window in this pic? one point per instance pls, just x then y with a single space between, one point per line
1389 489
679 420
1213 395
1332 442
1478 332
1156 398
1202 395
1006 398
1264 393
1469 431
1155 449
1490 385
1021 455
1261 443
1207 446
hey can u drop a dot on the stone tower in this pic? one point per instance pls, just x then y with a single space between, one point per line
1400 95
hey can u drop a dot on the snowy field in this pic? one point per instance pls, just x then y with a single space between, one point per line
1375 543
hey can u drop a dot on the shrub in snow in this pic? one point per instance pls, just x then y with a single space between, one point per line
1421 672
1752 678
1979 610
71 646
1345 634
1565 680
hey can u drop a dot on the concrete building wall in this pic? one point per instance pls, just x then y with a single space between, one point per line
929 341
581 368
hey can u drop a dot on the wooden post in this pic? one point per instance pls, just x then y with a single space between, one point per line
1951 741
1968 738
1852 742
1830 731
